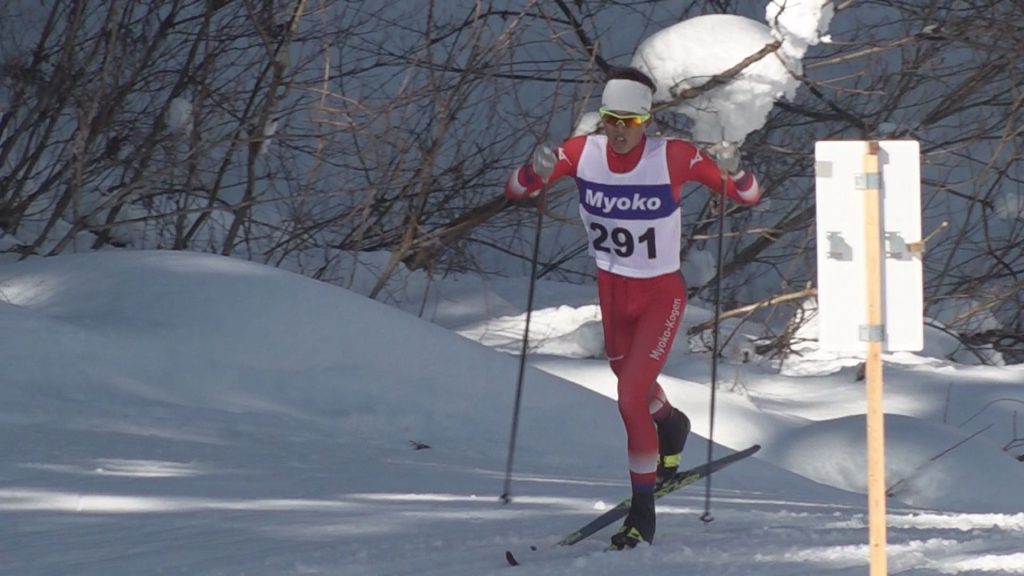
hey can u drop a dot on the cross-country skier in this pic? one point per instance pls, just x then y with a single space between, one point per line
630 188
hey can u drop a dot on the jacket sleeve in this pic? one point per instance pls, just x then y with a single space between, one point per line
687 163
524 182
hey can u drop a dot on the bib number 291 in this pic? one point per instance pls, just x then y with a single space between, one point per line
622 241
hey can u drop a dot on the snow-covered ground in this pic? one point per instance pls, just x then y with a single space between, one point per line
174 413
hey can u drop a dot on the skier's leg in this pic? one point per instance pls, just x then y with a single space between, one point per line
638 391
638 346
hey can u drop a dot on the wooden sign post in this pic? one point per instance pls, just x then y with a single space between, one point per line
870 279
872 333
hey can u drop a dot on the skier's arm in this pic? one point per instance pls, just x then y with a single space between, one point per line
524 181
687 162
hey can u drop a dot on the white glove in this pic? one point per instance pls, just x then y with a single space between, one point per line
543 161
727 156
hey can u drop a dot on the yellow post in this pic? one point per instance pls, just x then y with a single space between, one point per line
874 335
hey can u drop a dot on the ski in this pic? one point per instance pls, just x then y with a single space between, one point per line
681 479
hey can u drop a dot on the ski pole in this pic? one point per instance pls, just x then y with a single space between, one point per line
707 517
506 496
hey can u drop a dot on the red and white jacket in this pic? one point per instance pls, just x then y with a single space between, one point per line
630 203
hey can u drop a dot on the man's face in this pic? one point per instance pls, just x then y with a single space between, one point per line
625 130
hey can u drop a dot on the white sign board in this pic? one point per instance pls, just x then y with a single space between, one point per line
842 278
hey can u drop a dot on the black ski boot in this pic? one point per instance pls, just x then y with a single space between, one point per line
672 433
639 524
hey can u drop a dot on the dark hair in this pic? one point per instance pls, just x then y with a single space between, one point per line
633 74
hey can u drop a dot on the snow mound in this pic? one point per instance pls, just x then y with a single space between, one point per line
138 330
712 44
688 54
928 465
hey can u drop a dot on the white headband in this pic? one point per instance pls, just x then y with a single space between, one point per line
626 96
